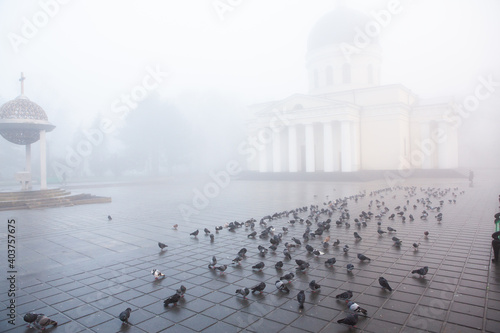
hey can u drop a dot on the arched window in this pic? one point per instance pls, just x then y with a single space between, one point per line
329 75
370 74
346 73
316 79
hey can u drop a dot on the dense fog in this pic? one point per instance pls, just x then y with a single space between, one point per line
162 88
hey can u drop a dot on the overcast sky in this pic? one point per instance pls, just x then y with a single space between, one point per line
88 53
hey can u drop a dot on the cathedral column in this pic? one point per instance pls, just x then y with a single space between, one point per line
263 159
43 161
425 136
309 136
443 149
346 146
276 152
328 147
292 149
356 148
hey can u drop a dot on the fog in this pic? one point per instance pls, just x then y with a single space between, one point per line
197 66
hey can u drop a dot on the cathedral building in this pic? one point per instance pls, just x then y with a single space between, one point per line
349 121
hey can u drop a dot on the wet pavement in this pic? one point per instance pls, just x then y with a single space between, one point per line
82 270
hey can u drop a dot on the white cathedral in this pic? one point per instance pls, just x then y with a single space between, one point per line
349 121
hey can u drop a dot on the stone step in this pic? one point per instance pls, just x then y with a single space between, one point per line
46 199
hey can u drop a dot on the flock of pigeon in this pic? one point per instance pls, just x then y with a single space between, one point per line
275 229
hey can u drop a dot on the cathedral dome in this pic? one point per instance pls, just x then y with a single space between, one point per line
22 108
337 26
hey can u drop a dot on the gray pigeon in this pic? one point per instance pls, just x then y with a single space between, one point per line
244 292
288 277
206 231
357 236
336 243
172 300
162 246
279 265
125 315
301 298
391 229
259 266
30 317
350 267
383 282
350 320
314 286
221 268
212 237
195 233
345 295
421 272
362 257
182 290
330 261
43 321
354 307
260 287
381 232
282 286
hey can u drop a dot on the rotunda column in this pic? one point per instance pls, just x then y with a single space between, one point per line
346 146
328 153
43 161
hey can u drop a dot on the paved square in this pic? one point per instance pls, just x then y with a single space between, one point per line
82 270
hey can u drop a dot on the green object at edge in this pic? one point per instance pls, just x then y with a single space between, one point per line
497 222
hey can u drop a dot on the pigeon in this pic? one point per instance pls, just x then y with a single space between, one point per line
426 233
242 252
237 260
309 248
125 315
391 229
297 241
213 262
252 235
212 237
195 233
288 277
346 249
181 291
383 282
357 236
345 295
325 245
221 268
282 286
287 254
336 243
416 245
317 253
260 287
301 298
219 228
285 230
43 321
175 226
331 261
273 248
279 265
354 307
381 232
30 317
162 246
262 250
109 218
362 257
244 292
157 274
206 231
350 320
314 286
350 267
172 300
300 262
259 266
421 272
